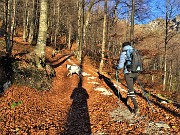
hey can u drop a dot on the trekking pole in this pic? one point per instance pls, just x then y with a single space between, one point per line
117 83
145 94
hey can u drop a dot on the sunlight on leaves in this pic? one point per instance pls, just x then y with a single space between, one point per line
173 127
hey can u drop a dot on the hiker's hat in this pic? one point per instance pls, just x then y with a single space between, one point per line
126 43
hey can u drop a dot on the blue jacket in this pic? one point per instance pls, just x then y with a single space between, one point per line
125 55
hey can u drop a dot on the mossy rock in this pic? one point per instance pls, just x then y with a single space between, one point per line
28 75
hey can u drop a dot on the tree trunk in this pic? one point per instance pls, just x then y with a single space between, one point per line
154 68
54 24
165 68
132 23
32 22
8 27
79 26
87 20
127 26
41 42
13 25
57 26
178 73
170 76
36 22
104 37
165 49
25 21
69 36
80 39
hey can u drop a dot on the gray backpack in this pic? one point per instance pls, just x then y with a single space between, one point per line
134 61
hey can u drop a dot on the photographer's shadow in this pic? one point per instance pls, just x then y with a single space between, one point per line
78 120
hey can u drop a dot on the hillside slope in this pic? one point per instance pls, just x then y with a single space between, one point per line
89 107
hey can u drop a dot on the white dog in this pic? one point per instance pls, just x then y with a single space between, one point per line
73 69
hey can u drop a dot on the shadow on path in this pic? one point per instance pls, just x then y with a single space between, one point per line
78 120
115 90
60 63
110 84
56 59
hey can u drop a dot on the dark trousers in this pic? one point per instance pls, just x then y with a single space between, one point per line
130 80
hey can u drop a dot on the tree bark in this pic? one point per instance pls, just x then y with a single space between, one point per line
80 39
104 37
69 36
8 27
165 49
32 22
13 25
57 22
87 20
170 76
25 21
42 35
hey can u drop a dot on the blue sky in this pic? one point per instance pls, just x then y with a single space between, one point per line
158 9
155 9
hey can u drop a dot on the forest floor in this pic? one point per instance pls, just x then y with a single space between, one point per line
87 107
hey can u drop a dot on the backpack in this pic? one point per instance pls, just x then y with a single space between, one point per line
133 61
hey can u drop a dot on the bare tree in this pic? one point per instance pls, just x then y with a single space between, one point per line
88 13
104 37
132 23
169 34
33 16
80 39
8 26
25 21
13 25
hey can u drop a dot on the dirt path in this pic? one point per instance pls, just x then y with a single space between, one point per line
74 108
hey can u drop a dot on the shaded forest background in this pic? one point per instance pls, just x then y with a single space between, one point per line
97 29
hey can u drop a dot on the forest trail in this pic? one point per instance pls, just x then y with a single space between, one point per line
73 107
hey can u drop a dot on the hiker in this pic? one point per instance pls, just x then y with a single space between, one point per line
130 77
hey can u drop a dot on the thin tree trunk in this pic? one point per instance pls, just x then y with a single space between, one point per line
178 73
13 16
127 27
79 25
25 21
104 37
9 16
32 22
132 23
4 13
54 24
87 20
165 50
13 24
80 39
154 68
170 76
178 79
57 26
36 22
70 33
8 27
165 70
